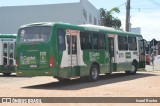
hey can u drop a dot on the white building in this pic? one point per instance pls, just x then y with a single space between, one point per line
136 30
83 12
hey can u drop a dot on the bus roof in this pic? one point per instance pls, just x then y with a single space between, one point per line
47 24
39 24
110 30
86 27
96 26
8 35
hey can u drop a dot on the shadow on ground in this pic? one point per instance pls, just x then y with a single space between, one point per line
12 75
82 83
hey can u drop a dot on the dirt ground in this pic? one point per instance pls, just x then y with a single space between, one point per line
143 84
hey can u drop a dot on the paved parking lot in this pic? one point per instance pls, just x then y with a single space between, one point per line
143 84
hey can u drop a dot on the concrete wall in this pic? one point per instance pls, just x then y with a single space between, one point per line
11 18
90 10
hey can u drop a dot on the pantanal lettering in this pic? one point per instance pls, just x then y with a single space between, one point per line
28 60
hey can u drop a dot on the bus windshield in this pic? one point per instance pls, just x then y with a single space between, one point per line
34 34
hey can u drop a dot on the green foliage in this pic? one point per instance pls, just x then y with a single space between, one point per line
108 19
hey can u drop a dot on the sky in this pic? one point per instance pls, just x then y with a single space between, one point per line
144 13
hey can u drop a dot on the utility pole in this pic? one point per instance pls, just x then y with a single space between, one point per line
128 16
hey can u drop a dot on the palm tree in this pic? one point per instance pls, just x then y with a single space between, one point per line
108 19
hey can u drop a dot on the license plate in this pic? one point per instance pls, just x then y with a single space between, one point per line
33 66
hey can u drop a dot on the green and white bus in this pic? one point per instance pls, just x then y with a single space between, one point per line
67 51
7 53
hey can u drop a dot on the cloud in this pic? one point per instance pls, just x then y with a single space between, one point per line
148 22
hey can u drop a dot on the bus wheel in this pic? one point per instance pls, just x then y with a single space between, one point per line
133 69
6 74
94 73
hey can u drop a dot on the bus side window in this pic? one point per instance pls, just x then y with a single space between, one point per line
101 41
132 43
95 41
82 38
61 39
122 42
74 45
86 40
69 44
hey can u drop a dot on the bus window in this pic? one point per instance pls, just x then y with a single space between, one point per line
95 41
122 43
111 47
11 46
5 46
86 40
34 34
132 43
74 45
61 40
5 49
82 37
69 44
101 41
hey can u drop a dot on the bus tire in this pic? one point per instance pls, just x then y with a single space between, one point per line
94 73
133 69
6 74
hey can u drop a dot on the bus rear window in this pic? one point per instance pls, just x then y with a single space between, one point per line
34 34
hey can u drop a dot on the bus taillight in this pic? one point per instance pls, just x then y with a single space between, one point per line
51 62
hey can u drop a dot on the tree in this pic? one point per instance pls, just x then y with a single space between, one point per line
108 19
